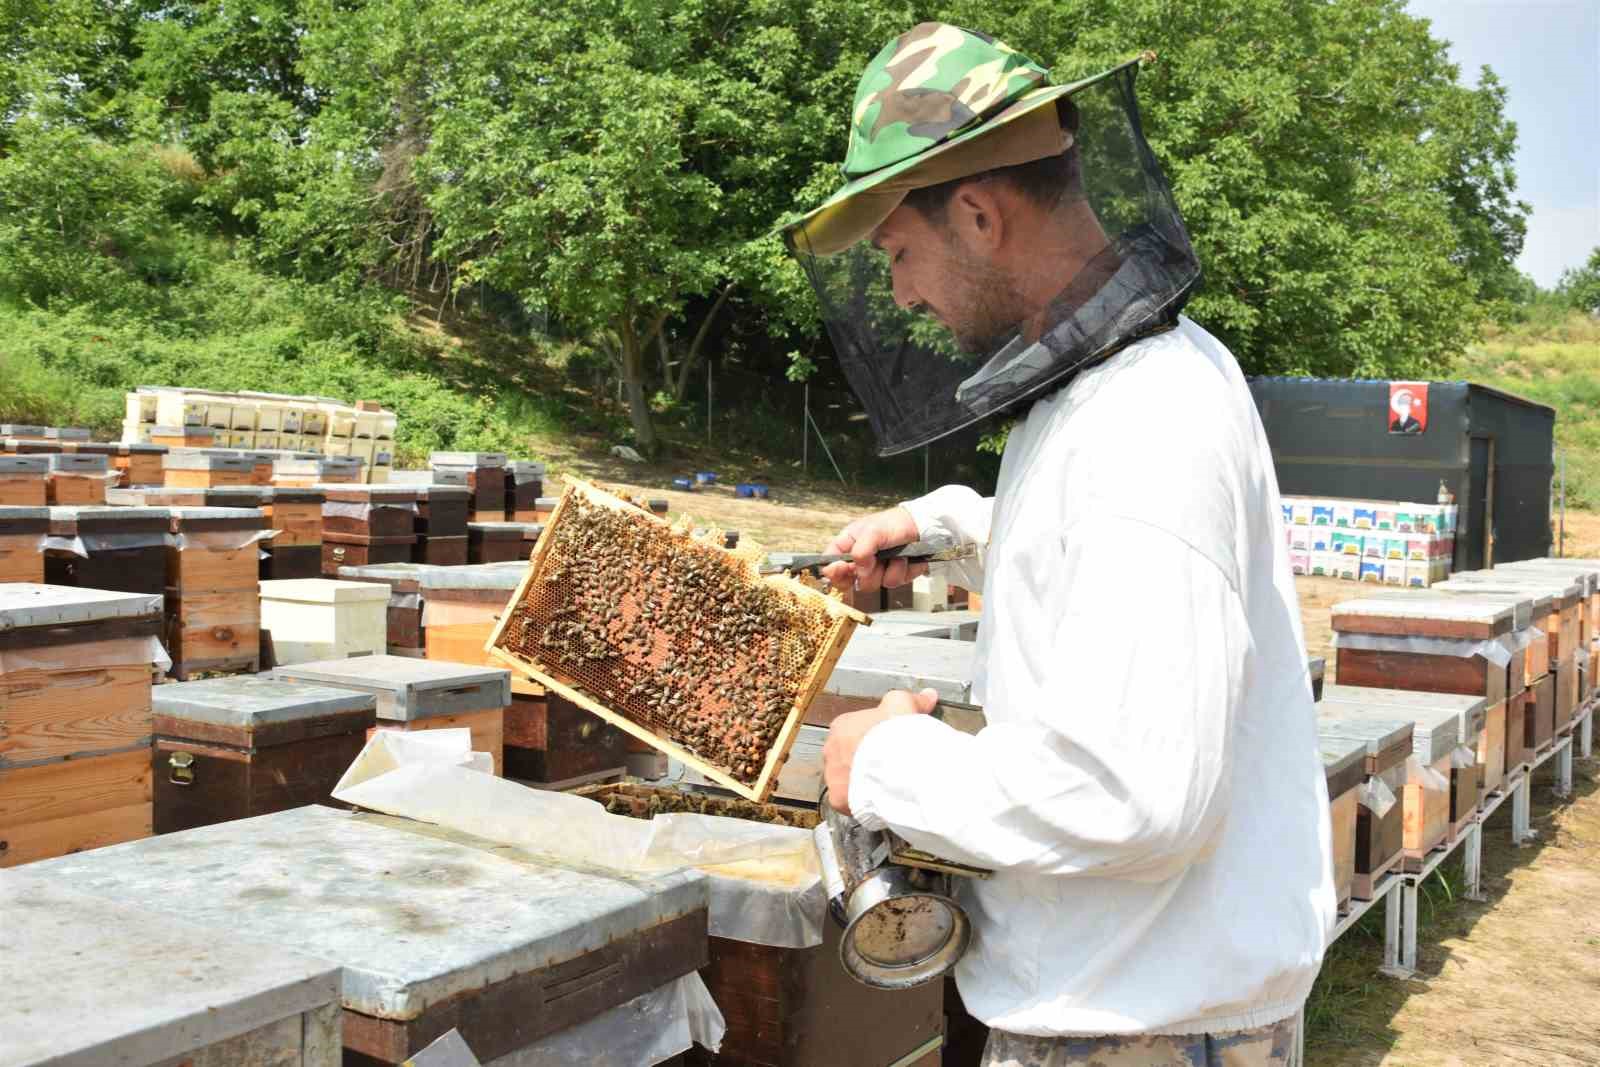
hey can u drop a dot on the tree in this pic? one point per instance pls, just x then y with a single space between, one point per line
1580 286
1349 200
613 164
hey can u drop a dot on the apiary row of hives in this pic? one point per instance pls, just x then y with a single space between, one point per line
1456 693
195 418
137 774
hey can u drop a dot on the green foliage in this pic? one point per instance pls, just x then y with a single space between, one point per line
1580 287
609 169
1556 363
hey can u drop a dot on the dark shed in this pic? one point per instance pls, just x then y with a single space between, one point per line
1493 450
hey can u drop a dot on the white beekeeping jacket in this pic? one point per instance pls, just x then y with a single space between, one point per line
1148 790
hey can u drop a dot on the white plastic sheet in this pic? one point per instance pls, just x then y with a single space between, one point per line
222 540
650 1028
1419 773
765 882
1519 640
1492 650
1462 757
1376 797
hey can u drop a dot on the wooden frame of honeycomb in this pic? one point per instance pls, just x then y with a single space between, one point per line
672 638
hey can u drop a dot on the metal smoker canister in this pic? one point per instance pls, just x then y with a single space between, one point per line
902 925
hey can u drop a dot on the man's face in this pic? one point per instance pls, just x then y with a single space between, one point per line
936 271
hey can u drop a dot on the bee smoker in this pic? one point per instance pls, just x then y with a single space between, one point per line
902 924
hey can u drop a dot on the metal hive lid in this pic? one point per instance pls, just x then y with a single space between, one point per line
26 604
391 911
252 700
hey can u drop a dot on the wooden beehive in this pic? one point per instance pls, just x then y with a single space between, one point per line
213 596
1344 767
140 464
415 694
1379 840
677 641
550 740
23 481
441 524
498 542
75 724
1436 616
194 469
79 480
22 533
183 437
235 748
1544 613
118 548
524 487
485 475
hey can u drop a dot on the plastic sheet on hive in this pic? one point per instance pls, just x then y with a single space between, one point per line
672 638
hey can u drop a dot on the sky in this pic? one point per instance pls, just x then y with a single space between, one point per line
1547 54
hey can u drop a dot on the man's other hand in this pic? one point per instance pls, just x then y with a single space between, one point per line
844 737
865 537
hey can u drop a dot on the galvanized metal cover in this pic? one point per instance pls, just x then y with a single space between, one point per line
959 625
91 980
24 464
409 688
184 459
1435 732
412 918
79 461
1448 608
1540 601
252 701
466 459
25 604
1340 755
1471 710
504 576
100 513
873 664
11 516
501 531
1377 732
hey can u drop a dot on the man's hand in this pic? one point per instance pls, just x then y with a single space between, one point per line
864 537
844 737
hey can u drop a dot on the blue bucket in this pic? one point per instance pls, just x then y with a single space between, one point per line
683 483
751 490
705 477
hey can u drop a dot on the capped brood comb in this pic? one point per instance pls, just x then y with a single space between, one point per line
673 638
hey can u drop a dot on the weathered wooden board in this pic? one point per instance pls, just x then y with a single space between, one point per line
53 809
55 714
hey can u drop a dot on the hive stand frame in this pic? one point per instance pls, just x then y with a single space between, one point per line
845 620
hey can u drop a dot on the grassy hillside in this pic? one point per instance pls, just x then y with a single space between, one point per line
1556 362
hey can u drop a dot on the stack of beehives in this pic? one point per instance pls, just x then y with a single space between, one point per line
193 418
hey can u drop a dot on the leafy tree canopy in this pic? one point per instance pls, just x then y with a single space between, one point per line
615 167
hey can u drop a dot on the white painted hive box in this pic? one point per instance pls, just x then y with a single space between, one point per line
314 619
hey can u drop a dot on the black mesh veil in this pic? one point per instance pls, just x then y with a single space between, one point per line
921 376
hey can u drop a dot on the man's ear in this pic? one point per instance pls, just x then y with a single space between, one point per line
978 215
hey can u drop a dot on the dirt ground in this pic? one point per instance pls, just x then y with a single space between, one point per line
1511 980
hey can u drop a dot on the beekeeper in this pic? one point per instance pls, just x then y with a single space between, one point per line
1148 789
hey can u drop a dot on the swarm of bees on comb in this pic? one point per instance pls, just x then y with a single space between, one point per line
646 802
672 633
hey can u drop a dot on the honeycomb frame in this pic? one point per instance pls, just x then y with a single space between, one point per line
671 638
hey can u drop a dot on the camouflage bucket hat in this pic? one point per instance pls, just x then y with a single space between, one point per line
936 104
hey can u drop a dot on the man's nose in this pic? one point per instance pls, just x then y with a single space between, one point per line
905 294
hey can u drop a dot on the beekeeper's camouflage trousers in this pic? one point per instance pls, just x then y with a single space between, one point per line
1268 1046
